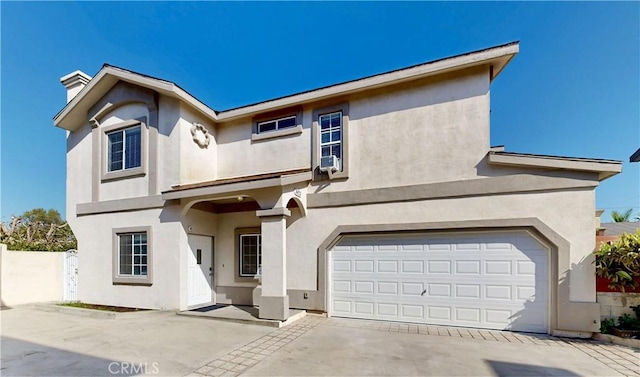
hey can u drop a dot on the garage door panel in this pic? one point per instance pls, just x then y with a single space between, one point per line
387 266
439 267
480 280
412 266
341 265
388 287
388 309
467 267
498 292
469 315
468 291
363 287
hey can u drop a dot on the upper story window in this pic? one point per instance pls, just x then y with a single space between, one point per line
331 136
277 124
124 149
273 125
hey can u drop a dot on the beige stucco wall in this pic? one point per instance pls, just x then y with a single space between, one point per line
131 187
30 276
79 162
197 163
433 131
226 267
169 132
242 156
304 235
95 283
393 132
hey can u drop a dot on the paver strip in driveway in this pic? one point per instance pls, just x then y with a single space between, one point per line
239 360
458 351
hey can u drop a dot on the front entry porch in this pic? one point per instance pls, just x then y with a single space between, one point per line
241 314
247 220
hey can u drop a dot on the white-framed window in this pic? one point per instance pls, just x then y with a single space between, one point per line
277 124
124 149
331 135
250 255
132 254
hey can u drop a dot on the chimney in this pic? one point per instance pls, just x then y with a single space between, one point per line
74 82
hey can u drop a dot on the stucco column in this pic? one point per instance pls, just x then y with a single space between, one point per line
274 302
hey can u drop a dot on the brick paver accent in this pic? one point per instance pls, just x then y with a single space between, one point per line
245 357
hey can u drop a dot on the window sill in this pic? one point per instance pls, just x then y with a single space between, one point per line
132 281
321 176
248 279
297 130
121 174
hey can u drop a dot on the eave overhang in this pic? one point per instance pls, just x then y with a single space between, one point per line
73 115
604 168
228 186
495 57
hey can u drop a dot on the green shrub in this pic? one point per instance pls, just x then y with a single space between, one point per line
619 261
628 322
606 325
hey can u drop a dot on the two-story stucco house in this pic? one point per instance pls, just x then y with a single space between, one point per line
376 198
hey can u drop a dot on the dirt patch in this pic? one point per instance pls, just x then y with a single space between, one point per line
118 309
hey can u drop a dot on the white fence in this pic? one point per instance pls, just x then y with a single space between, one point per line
37 276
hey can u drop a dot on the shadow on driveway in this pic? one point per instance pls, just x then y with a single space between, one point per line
504 369
21 358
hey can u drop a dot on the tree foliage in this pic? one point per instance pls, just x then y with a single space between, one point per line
38 229
619 261
621 217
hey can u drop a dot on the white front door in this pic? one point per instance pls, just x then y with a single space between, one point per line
200 258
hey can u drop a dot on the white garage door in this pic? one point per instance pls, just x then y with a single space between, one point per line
485 280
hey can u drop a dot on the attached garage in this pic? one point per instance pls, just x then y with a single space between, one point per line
493 280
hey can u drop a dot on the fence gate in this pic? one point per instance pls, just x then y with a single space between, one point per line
71 275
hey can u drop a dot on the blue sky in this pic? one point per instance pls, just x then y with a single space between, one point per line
574 89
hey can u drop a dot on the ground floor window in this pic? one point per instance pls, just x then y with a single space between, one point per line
132 256
250 254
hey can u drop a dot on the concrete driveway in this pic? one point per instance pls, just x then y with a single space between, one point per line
38 343
42 343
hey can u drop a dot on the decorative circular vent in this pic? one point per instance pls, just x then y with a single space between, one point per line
200 135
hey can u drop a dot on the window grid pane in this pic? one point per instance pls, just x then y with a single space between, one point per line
132 254
331 136
124 149
116 150
277 124
133 148
250 254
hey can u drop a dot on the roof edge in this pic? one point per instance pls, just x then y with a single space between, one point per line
154 83
604 168
469 59
499 56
